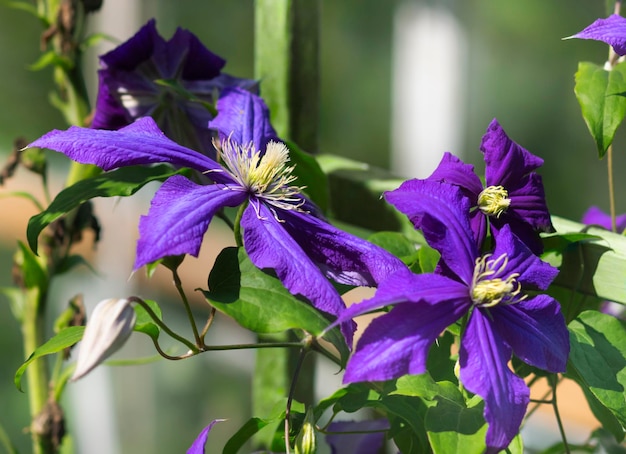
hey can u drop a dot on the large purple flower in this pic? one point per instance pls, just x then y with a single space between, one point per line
611 30
167 80
281 228
513 194
489 289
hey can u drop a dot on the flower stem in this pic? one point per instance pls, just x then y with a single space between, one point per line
553 379
179 287
162 325
609 164
292 390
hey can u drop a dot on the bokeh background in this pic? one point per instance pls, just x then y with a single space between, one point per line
509 62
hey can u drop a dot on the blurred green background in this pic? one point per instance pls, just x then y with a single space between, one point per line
519 71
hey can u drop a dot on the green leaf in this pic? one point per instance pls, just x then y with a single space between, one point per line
607 442
394 242
428 259
144 323
33 273
253 426
23 6
51 58
121 182
64 339
410 413
598 357
452 427
310 175
260 303
602 108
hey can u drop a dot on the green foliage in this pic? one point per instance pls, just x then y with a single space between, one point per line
310 175
598 92
144 322
598 363
260 303
117 183
64 339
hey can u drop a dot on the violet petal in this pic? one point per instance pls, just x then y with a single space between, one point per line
483 357
611 30
139 143
397 343
441 211
179 215
506 161
244 117
536 330
357 443
532 270
269 246
199 443
595 216
343 257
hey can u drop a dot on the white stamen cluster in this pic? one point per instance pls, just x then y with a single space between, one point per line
494 200
265 176
488 292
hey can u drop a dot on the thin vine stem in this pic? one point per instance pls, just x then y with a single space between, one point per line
554 381
292 390
162 325
179 287
207 325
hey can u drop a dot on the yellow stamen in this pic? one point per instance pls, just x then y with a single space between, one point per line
265 176
490 292
493 201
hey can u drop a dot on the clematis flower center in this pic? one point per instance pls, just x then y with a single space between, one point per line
488 291
264 176
494 200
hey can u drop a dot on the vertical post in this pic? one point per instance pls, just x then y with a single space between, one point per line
286 63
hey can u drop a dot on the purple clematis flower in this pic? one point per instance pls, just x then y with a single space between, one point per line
490 290
595 216
369 441
199 443
282 229
171 81
611 30
513 194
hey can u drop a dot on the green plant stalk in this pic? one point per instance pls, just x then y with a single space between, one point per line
72 99
286 63
37 376
609 165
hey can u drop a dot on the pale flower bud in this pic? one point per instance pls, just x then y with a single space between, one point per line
108 328
305 441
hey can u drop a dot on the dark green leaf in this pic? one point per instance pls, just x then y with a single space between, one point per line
598 356
603 109
406 415
121 182
64 339
251 427
260 303
309 174
608 442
